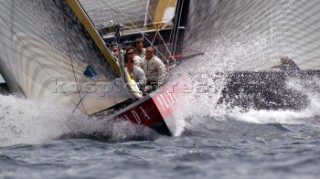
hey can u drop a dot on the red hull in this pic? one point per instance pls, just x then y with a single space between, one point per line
154 110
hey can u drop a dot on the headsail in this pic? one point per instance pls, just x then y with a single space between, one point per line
45 57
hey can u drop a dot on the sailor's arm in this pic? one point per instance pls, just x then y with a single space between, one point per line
142 77
162 71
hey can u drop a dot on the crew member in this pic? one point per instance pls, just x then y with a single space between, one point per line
154 68
130 54
136 73
139 49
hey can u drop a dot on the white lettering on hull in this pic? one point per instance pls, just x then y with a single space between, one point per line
136 116
166 100
127 118
145 116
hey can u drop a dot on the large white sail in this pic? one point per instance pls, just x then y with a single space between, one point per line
47 58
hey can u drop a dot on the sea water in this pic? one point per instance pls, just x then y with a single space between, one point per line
215 141
40 140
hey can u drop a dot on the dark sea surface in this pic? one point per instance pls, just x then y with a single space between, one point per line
39 140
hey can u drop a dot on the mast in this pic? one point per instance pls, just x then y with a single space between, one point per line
180 21
89 26
183 11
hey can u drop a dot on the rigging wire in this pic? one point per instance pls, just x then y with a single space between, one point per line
134 26
146 16
71 63
157 32
173 35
